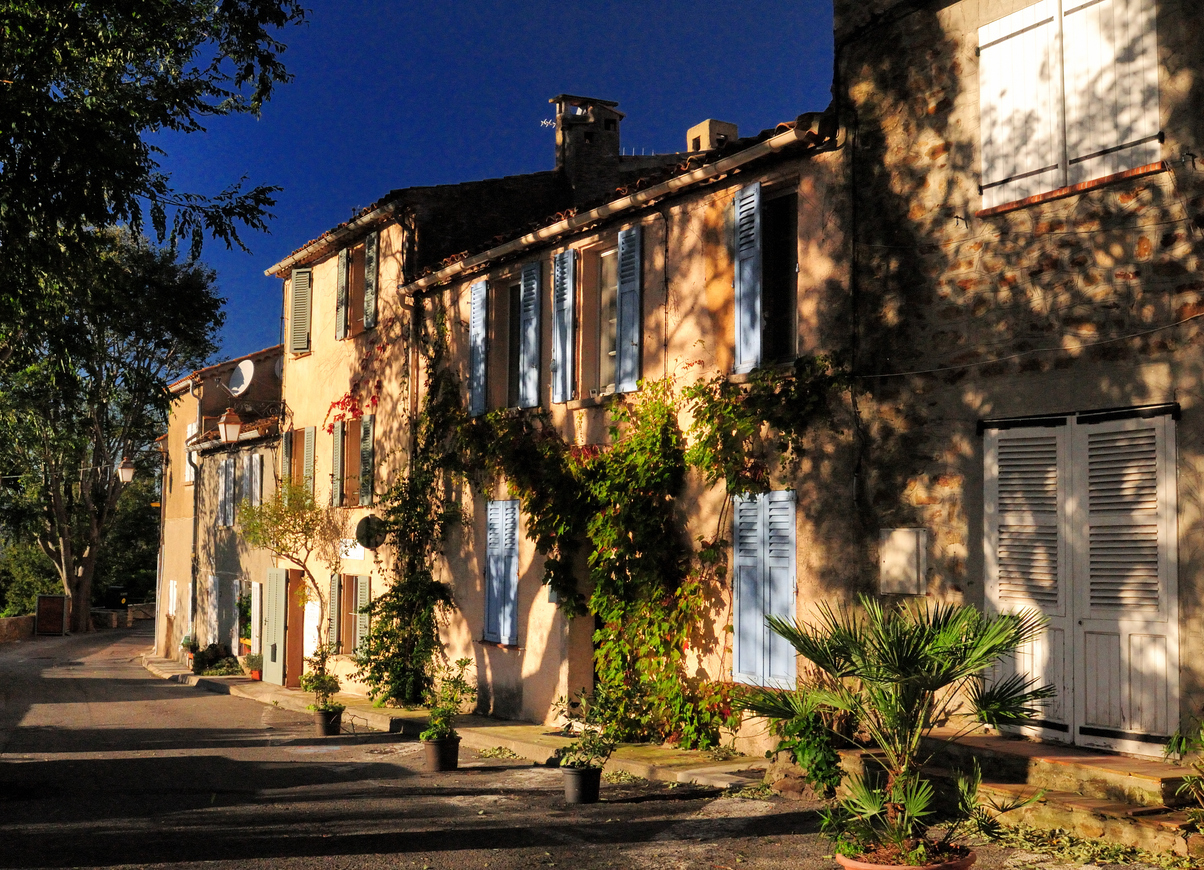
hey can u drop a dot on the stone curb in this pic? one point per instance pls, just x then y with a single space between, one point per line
532 742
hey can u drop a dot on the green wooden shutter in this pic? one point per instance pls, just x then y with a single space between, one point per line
341 306
362 600
370 267
627 339
367 457
301 293
275 613
307 472
336 465
335 589
286 450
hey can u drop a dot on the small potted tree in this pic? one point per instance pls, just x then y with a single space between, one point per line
328 713
583 759
445 701
900 670
189 648
254 663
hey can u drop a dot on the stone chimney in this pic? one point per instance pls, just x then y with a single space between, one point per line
587 145
710 134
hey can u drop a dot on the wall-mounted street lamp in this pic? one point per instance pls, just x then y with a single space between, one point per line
125 471
229 426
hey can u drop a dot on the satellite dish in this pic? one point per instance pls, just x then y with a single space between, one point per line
370 532
240 378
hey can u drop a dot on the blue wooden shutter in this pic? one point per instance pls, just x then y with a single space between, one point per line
307 470
630 319
477 322
363 598
301 295
508 622
333 627
748 277
779 542
341 306
367 457
370 269
748 653
495 569
336 465
528 351
563 328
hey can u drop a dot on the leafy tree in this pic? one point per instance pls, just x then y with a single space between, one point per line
95 391
291 525
130 553
82 88
25 573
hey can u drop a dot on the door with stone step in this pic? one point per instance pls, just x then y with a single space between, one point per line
1080 525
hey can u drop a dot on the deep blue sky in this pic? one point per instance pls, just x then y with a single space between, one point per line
390 95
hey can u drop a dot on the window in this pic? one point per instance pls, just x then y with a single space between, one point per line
225 492
355 308
300 299
1068 93
298 447
513 339
764 550
189 469
608 318
501 573
352 461
172 592
610 291
766 258
252 478
347 625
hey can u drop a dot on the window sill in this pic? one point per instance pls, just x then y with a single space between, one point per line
495 644
299 354
590 402
746 377
1081 187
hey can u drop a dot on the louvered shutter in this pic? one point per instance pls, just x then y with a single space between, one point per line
367 457
1027 553
748 277
1020 100
231 483
564 270
256 495
333 624
341 301
477 325
748 653
370 279
363 620
1111 63
494 570
528 352
301 293
189 469
222 493
336 464
779 548
275 611
307 471
508 621
630 319
286 449
251 478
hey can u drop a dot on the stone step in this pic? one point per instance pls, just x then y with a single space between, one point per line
1065 769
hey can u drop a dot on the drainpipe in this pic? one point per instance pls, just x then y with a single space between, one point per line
196 488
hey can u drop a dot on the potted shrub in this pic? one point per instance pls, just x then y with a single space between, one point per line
328 713
583 759
189 648
445 700
254 663
900 670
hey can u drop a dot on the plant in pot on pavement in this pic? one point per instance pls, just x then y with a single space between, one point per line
445 700
583 759
328 714
254 663
900 670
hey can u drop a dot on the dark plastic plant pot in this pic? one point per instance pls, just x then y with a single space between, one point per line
957 864
327 722
581 784
442 754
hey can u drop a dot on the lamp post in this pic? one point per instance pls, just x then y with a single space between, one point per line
229 426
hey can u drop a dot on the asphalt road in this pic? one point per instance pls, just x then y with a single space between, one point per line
103 765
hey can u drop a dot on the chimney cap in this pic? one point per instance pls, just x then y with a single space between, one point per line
572 98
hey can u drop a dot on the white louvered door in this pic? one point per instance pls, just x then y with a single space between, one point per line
1126 594
1026 556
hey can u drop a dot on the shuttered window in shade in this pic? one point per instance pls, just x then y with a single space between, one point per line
564 327
630 313
371 243
528 336
764 556
501 572
477 347
300 295
748 278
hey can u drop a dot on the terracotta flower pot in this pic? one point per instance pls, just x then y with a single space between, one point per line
327 722
581 784
442 754
957 864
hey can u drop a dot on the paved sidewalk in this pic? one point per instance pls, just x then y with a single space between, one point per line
533 742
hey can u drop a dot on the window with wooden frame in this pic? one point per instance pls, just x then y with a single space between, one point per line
347 625
765 243
611 338
352 460
298 447
355 308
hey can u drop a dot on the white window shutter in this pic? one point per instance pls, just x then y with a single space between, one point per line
255 494
336 463
370 275
1020 100
341 302
564 271
779 543
221 493
231 488
477 368
528 354
301 296
748 652
307 471
1111 62
748 277
333 613
630 319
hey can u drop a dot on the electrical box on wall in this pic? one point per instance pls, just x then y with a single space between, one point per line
902 561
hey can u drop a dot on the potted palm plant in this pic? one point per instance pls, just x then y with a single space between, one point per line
900 670
445 700
583 759
328 713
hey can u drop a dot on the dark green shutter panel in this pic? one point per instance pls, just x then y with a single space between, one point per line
340 312
362 600
367 460
307 472
302 294
370 280
286 473
333 637
336 465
